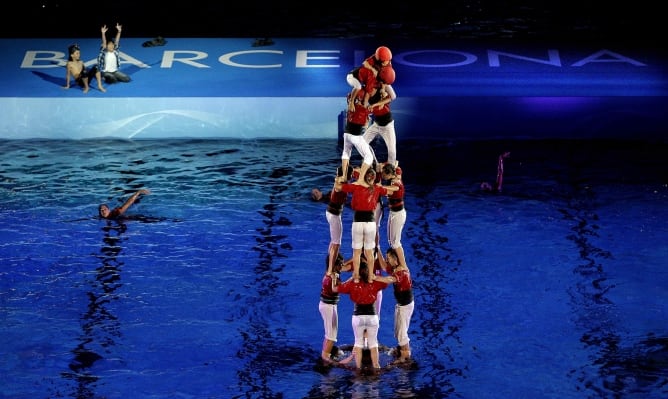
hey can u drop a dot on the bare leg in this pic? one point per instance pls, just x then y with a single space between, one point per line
405 353
358 357
327 346
400 256
375 358
357 255
344 168
351 99
378 214
98 76
333 254
347 359
368 253
85 82
363 169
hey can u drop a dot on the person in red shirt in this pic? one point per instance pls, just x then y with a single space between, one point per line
364 83
364 199
380 58
363 294
403 294
356 123
363 77
397 215
328 305
335 200
383 122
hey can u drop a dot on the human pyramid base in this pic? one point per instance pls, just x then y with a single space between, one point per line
368 189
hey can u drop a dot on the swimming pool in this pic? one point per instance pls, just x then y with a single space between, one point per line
554 289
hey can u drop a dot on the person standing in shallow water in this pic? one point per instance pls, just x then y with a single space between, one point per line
328 305
106 213
365 321
403 294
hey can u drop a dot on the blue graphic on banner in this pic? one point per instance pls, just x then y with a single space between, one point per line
295 88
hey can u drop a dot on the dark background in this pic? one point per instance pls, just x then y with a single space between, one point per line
638 21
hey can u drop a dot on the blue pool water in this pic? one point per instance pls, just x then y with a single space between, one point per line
555 288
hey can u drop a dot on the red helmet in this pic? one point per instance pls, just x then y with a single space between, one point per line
383 53
387 75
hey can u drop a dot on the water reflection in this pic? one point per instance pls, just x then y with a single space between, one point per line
439 322
638 369
100 327
266 349
623 368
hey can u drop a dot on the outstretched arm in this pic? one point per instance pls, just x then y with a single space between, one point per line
499 170
132 200
104 35
390 95
385 279
390 189
119 27
347 265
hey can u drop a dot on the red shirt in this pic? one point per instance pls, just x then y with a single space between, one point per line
396 198
367 79
336 201
326 294
362 293
359 116
404 282
364 198
382 110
